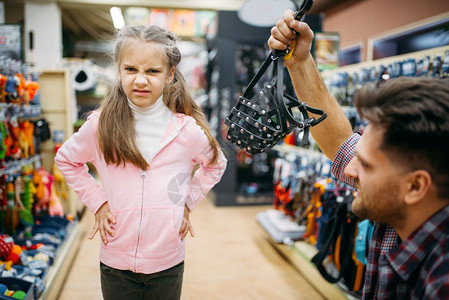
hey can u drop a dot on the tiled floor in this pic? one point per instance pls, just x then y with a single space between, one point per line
229 258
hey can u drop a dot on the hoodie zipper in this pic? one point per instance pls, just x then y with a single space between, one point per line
144 173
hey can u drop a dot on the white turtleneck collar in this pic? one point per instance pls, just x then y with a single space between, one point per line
154 108
150 124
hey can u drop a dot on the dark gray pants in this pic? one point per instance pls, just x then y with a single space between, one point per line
124 285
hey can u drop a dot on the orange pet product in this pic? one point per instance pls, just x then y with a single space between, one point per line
21 84
26 141
31 89
290 138
14 256
3 79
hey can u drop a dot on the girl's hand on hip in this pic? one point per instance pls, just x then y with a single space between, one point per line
104 221
186 225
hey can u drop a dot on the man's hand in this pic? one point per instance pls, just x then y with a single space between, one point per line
186 226
104 221
286 31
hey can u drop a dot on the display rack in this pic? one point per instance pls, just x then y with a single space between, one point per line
86 102
43 228
236 53
57 273
300 253
284 148
420 35
58 107
385 61
232 35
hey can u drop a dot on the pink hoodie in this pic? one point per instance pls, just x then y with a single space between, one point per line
148 205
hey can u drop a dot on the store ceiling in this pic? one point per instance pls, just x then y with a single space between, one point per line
318 6
90 19
88 26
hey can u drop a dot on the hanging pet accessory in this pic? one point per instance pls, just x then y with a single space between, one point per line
257 124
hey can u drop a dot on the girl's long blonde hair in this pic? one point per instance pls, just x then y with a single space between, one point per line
116 135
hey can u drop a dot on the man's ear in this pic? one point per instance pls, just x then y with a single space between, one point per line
418 185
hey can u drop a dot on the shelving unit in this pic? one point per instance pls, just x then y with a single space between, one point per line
410 38
57 102
385 61
55 276
56 107
87 102
59 109
232 36
299 255
57 273
284 148
238 43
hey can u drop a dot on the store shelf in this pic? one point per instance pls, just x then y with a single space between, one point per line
58 271
285 148
58 108
87 102
420 35
385 61
299 254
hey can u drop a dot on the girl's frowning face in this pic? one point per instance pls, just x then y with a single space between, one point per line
144 72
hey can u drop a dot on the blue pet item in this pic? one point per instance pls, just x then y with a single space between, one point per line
3 289
362 241
10 85
16 284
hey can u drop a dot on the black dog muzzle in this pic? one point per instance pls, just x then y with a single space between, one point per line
259 123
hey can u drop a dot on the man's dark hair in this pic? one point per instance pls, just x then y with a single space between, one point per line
415 115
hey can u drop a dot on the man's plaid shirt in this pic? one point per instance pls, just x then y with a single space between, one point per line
417 268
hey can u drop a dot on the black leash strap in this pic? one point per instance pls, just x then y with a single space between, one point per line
343 225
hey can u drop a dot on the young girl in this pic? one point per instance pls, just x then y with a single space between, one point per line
145 142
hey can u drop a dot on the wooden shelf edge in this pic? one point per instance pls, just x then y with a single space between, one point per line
58 271
299 255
